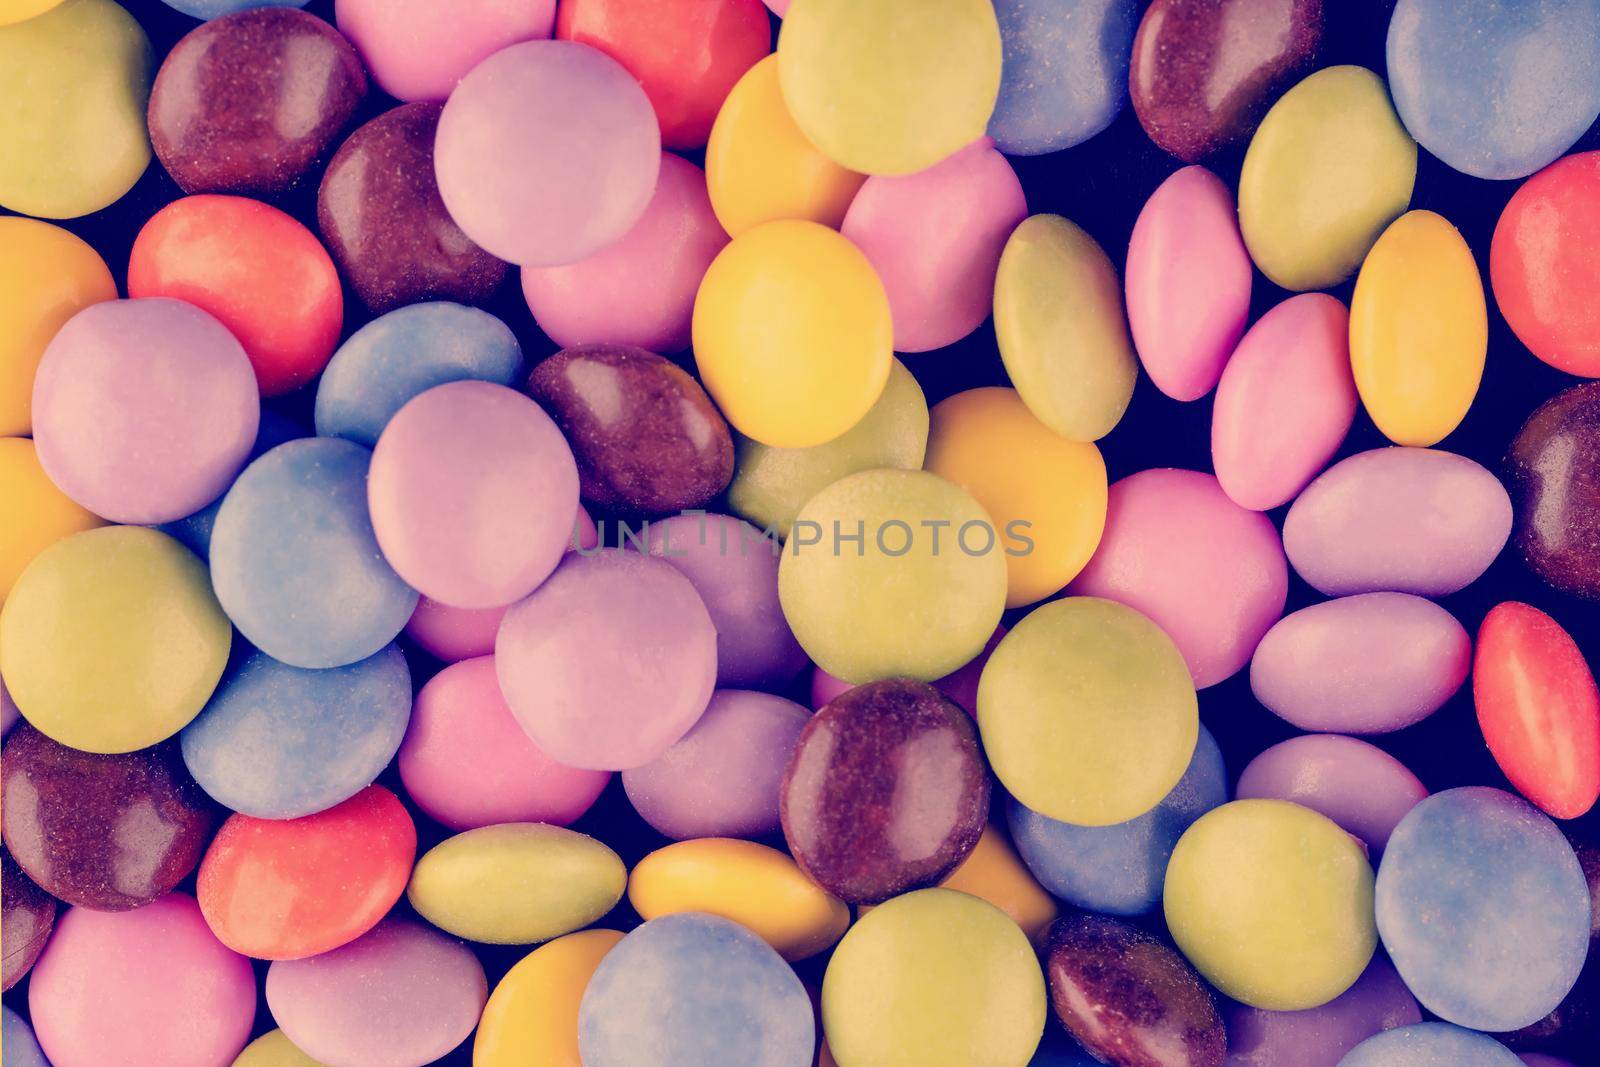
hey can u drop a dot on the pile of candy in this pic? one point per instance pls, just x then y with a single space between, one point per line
356 640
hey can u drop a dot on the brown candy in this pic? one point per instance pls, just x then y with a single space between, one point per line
1554 476
26 915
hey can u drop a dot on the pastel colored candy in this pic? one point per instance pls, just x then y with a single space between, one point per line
689 989
401 995
533 1012
1064 75
210 9
9 715
1539 1059
274 1049
19 10
22 1048
466 762
194 531
1553 471
1474 874
995 873
1328 170
1285 402
417 50
1319 1037
27 915
935 239
1062 333
1272 903
1188 283
1365 664
1357 785
40 516
453 634
1425 1044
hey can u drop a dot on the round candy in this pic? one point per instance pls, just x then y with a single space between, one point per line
1474 875
532 1015
1065 72
935 239
890 86
21 10
402 994
1357 785
112 640
558 651
935 978
1272 903
993 872
295 562
210 9
279 742
27 915
380 212
194 531
792 333
454 634
467 763
1429 1044
1320 1037
78 77
288 889
273 1049
1330 167
547 152
1554 475
150 985
17 1037
144 410
40 515
246 262
419 49
917 591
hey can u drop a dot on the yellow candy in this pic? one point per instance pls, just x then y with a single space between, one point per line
1062 329
74 82
1328 169
21 10
760 167
990 444
516 883
792 334
757 887
274 1050
47 275
1419 330
1272 902
532 1016
37 513
112 639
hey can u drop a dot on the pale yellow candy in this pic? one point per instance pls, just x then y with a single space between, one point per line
274 1049
19 10
37 514
1419 329
1062 329
516 883
532 1016
1328 169
757 887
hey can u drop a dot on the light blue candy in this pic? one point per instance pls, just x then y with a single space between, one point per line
1496 88
404 353
1119 869
690 989
210 9
294 561
1064 76
279 742
1430 1045
1483 908
21 1047
195 531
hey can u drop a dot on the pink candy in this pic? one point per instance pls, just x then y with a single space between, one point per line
420 49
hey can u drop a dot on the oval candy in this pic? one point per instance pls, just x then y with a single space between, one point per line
533 1013
1553 470
1426 1044
417 50
273 1049
27 915
1357 785
1064 72
1320 1037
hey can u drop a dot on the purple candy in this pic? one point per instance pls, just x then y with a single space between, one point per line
1357 785
1319 1037
1539 1059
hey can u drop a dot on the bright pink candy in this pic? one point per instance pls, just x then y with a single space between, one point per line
1357 785
1188 283
960 685
935 238
419 49
779 8
152 987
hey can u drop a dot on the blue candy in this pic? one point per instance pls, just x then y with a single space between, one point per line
210 9
1430 1045
1119 869
195 531
1483 908
21 1047
1496 88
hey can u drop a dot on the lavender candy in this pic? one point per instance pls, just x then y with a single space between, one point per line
1319 1037
1357 785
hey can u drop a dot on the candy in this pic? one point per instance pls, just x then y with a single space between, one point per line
1119 869
1554 476
935 239
1285 402
111 640
249 103
993 872
547 152
21 10
934 978
1319 1037
1357 785
639 290
1426 1044
1064 74
1034 484
380 212
403 995
1366 664
295 562
1188 283
27 914
1272 903
273 1049
558 652
890 86
1538 708
39 516
245 262
1127 997
17 1037
144 410
1407 520
532 1015
792 333
1327 171
454 634
68 820
194 531
690 989
288 889
670 453
1204 71
210 9
9 715
279 742
467 763
79 144
1475 876
1059 323
418 50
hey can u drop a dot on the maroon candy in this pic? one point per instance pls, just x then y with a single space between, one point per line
1554 477
26 915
